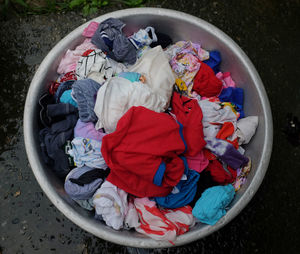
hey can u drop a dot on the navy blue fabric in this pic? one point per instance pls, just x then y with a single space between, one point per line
187 190
234 95
110 38
159 175
214 61
163 40
67 85
53 139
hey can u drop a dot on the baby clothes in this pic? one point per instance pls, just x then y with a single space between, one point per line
213 203
186 63
118 95
84 92
221 174
83 191
181 217
86 204
198 162
111 40
144 143
143 37
189 114
214 60
67 98
132 218
215 114
153 223
90 30
63 119
64 86
246 128
87 152
206 83
235 95
185 190
242 174
131 76
155 67
162 224
69 61
111 203
226 79
226 152
87 130
95 65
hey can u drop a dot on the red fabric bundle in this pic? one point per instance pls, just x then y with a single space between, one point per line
142 141
189 114
206 83
219 174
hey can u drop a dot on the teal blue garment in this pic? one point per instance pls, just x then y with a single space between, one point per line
131 76
67 98
211 206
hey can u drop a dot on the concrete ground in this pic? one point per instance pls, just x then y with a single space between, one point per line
268 32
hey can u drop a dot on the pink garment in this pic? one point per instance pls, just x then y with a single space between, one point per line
226 79
90 29
198 162
69 61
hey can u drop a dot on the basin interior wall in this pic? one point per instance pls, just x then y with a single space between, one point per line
180 27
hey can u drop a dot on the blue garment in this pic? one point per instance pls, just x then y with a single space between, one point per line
131 76
214 61
84 192
159 175
110 38
234 95
85 92
67 98
87 152
211 206
187 189
52 139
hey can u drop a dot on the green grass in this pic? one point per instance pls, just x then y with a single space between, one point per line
29 7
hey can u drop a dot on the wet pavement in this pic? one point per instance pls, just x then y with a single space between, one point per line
268 32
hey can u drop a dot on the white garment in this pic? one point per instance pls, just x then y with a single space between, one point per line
246 128
131 218
97 66
155 66
117 95
214 113
111 203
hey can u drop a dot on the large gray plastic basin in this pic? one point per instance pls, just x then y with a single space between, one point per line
179 26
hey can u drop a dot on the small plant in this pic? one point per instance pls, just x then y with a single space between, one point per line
89 7
29 7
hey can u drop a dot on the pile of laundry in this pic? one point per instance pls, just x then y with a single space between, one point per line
146 132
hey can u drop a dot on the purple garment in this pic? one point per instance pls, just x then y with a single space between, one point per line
87 130
84 192
226 152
